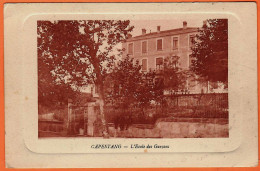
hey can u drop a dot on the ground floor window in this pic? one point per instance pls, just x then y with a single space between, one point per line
159 63
144 64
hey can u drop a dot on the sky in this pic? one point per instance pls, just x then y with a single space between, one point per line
165 25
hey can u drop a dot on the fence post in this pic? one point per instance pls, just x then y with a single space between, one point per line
85 117
91 119
69 116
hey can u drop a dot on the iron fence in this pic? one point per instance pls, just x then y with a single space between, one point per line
213 105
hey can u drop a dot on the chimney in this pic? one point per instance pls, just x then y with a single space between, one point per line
158 28
184 24
143 31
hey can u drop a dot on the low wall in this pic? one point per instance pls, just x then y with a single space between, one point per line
175 128
51 128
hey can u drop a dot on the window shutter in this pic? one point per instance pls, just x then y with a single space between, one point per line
175 43
144 47
159 44
130 48
144 64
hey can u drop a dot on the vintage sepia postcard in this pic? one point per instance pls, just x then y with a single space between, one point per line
129 81
169 83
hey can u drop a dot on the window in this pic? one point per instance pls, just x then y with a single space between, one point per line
144 64
130 48
159 44
159 63
174 61
191 40
144 47
175 43
174 64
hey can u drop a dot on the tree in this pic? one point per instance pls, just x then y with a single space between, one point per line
174 77
129 86
52 94
130 91
124 80
170 79
145 90
210 51
82 51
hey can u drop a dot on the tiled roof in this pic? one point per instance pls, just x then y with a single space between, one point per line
164 33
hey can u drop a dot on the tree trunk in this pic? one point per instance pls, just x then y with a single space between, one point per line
100 86
102 113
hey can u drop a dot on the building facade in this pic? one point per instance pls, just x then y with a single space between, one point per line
150 50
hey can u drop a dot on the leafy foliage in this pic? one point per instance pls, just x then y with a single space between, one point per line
128 86
171 79
210 51
130 91
81 52
52 94
174 77
134 92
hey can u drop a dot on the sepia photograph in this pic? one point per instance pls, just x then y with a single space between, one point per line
130 85
133 78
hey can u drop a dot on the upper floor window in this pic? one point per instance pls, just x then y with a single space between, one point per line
144 47
159 44
131 48
159 63
191 40
144 64
175 43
